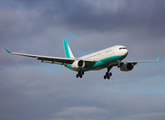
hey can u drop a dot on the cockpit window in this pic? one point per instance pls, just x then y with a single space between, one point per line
122 48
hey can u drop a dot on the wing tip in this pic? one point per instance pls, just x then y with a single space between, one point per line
157 58
7 50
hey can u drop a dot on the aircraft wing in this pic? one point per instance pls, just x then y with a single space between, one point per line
52 60
135 62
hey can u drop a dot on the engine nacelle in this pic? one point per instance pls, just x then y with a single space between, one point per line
78 64
127 67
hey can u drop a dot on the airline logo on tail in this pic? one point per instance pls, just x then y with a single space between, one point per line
67 50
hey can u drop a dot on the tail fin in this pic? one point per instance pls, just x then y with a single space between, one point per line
67 50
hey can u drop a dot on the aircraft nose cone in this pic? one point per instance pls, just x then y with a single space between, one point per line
126 52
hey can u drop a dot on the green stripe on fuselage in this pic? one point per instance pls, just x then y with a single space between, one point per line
100 64
113 59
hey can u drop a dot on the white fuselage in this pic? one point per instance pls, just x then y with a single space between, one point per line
105 57
106 53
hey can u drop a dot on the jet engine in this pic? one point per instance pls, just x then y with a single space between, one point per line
78 64
127 67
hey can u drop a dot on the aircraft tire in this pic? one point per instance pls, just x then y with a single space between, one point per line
110 74
80 76
77 75
82 72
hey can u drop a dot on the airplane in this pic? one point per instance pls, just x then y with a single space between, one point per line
106 58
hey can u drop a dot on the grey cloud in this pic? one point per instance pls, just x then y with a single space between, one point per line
151 116
144 15
31 90
79 111
42 94
140 21
80 15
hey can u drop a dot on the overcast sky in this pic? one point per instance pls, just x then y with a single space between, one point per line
31 90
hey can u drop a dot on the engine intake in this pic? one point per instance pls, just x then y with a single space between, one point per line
78 64
127 67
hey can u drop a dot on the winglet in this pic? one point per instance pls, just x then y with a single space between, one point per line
7 50
158 59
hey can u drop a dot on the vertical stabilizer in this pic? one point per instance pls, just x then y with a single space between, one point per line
67 50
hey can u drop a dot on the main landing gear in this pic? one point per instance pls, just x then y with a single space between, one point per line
107 74
80 74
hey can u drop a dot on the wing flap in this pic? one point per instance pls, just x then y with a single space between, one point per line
56 59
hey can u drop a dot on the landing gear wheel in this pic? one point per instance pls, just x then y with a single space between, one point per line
110 74
106 77
77 75
80 74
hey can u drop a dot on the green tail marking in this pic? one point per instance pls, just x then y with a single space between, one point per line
66 49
